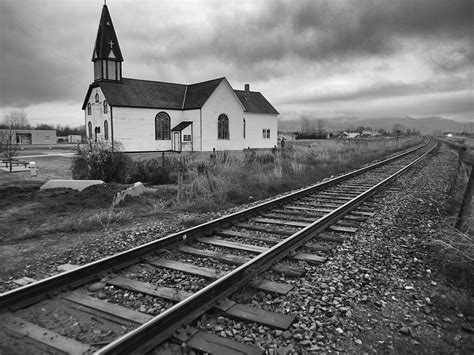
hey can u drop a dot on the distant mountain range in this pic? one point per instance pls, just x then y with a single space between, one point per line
425 125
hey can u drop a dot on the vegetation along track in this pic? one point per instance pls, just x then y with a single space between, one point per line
84 310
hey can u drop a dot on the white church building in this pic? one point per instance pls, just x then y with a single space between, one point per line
146 115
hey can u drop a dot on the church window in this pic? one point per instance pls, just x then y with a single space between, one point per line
96 97
89 110
245 124
106 130
89 126
106 107
266 133
162 126
223 127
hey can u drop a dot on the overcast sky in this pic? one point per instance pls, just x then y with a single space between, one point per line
364 58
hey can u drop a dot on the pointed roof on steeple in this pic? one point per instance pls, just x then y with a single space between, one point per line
106 43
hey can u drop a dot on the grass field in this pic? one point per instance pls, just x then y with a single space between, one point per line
232 178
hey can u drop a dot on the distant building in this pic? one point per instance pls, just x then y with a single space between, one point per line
28 136
74 138
148 115
348 135
370 134
313 135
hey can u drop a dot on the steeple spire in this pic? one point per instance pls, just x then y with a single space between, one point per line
107 56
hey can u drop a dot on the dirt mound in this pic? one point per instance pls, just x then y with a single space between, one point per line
60 200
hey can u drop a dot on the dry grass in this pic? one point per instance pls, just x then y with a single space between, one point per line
232 178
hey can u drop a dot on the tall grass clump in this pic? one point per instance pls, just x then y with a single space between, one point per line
158 171
98 161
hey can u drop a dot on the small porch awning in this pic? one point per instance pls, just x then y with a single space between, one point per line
182 125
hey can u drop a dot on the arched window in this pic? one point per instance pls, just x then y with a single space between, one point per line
106 107
96 97
89 126
162 126
106 130
223 126
245 123
89 110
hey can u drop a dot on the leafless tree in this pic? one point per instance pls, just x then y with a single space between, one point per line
8 146
306 124
16 120
321 125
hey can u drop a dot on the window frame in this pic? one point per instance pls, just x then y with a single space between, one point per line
266 133
244 128
89 109
106 106
223 127
162 133
97 97
106 130
89 129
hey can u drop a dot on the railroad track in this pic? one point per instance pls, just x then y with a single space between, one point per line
176 279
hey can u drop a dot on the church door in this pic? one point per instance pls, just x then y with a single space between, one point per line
177 141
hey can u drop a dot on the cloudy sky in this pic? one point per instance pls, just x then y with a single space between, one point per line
326 58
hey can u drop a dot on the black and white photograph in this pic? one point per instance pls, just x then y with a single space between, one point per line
270 177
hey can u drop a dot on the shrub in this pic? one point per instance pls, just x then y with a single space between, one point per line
98 161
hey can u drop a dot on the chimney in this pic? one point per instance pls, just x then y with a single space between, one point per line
247 91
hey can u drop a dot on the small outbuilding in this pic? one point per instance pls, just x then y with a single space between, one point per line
28 136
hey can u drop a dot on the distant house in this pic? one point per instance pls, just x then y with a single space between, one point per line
28 136
148 115
369 134
348 135
74 138
313 135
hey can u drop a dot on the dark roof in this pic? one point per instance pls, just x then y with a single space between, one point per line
255 102
142 93
182 125
106 39
197 94
156 94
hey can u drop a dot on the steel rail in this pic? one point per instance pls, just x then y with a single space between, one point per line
36 291
155 331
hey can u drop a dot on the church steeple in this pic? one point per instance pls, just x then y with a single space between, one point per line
107 56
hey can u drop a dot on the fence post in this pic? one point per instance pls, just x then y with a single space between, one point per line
180 184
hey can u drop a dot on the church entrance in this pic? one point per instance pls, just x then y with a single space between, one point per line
177 141
182 136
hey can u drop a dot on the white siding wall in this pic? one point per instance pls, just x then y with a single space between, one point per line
222 100
256 122
98 116
134 128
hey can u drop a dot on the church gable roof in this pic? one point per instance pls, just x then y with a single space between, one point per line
161 95
106 43
197 94
255 102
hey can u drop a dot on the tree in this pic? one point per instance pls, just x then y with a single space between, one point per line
320 125
305 124
16 120
8 148
398 129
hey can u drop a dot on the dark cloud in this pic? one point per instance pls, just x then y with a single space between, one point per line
386 90
45 47
41 58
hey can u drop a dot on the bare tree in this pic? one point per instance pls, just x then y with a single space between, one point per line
305 124
16 120
320 125
398 128
8 148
